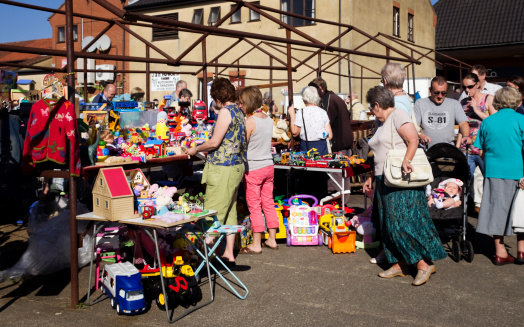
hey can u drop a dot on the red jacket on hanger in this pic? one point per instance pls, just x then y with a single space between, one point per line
51 123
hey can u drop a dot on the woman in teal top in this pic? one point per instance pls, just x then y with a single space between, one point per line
225 161
500 139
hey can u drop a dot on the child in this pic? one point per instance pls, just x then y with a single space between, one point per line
447 195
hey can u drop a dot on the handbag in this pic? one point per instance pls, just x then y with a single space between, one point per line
517 212
421 175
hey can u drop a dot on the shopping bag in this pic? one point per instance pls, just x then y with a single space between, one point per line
517 212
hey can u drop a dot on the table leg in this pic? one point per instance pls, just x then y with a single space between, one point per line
96 229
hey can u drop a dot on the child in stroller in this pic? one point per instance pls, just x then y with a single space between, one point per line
447 195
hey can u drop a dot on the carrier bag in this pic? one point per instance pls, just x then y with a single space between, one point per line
517 212
421 175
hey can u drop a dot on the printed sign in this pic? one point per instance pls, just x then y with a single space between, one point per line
164 81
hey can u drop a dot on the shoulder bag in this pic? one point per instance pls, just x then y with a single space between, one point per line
421 175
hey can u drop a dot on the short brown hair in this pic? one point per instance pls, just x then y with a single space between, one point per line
439 80
251 98
185 93
319 81
518 81
222 90
479 68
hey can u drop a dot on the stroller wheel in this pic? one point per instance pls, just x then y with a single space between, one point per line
455 251
469 253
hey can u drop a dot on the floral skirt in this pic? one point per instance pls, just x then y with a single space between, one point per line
408 233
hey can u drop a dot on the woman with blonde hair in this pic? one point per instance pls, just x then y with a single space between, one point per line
260 172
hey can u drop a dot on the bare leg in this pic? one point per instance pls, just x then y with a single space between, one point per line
520 242
271 240
422 265
230 243
256 245
500 248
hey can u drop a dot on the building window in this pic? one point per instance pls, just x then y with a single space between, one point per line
160 34
237 16
198 16
107 204
61 33
396 21
299 7
101 182
253 15
214 16
410 28
97 202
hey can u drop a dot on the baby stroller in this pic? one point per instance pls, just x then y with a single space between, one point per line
447 161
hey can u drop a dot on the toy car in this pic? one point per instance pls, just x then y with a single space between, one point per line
199 111
122 284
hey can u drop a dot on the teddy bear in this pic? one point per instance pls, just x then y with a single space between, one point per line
186 127
280 131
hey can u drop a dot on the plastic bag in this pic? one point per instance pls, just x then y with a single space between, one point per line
49 248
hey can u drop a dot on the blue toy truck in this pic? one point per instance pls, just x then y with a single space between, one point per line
122 284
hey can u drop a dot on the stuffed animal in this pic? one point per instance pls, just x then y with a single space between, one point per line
161 126
186 127
364 227
280 131
164 199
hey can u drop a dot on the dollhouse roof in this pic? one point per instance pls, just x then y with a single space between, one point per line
116 182
134 172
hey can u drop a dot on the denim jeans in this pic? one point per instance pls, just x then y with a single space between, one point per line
474 160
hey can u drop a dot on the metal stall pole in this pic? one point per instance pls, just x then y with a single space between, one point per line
413 73
204 73
350 93
271 83
85 80
148 78
361 82
407 76
319 70
72 183
460 76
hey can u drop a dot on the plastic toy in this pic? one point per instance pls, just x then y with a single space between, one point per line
199 111
122 284
335 229
161 126
364 227
180 283
148 212
303 223
282 226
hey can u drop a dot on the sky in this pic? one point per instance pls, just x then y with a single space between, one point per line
27 24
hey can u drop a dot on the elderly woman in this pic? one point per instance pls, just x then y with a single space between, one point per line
393 75
408 233
517 83
224 168
312 124
500 139
259 171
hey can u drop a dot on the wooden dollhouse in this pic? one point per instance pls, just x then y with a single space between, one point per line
112 195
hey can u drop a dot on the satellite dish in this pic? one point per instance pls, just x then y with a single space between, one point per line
103 43
88 40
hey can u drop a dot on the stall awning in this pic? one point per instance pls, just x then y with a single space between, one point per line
25 81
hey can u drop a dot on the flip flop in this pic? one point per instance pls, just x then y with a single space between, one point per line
248 251
264 245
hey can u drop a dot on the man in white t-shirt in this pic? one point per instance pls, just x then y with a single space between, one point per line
485 87
437 115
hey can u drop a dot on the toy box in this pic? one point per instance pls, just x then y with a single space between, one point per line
303 223
137 118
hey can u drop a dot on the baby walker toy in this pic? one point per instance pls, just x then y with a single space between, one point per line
303 223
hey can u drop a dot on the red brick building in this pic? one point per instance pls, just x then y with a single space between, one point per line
116 43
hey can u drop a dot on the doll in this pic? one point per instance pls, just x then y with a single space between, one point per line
447 195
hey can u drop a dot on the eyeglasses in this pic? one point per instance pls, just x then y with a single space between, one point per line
439 92
469 87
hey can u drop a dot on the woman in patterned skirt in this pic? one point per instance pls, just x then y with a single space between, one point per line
408 233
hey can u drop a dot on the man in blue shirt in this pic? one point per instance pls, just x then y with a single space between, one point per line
107 95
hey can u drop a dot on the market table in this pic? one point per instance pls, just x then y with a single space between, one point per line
156 223
346 172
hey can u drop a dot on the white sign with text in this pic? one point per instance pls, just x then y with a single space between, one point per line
164 81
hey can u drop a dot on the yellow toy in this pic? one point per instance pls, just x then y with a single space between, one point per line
340 238
162 131
281 232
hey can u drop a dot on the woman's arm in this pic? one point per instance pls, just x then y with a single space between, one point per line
223 121
295 130
328 129
489 104
409 134
473 104
251 126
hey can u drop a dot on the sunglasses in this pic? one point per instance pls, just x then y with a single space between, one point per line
469 87
438 92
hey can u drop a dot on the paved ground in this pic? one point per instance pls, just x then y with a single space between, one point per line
297 286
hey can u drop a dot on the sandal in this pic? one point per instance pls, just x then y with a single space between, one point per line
247 250
264 245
